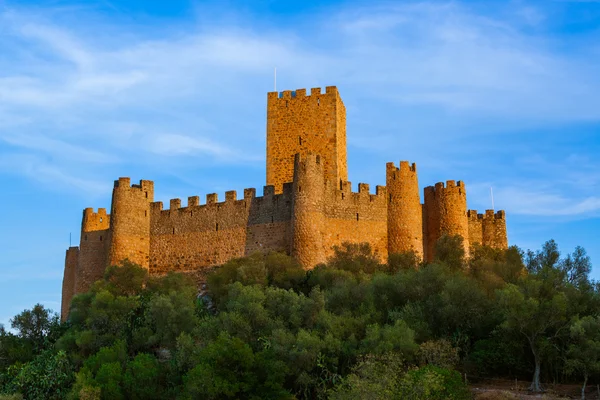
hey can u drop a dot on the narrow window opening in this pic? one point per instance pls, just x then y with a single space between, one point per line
145 213
173 231
357 216
286 103
299 188
342 196
318 102
300 141
100 238
271 219
146 194
459 191
390 197
100 219
217 227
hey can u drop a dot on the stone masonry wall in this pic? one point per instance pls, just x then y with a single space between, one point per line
197 236
94 242
475 227
405 219
355 217
68 284
446 214
488 229
130 222
297 123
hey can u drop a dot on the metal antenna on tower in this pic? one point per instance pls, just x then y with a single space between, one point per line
492 196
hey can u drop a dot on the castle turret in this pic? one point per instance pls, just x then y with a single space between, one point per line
405 220
68 285
93 248
130 222
488 229
307 210
301 123
446 214
494 229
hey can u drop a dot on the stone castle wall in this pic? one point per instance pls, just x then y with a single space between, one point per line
307 208
187 238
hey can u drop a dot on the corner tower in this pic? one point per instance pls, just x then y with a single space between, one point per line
130 222
301 123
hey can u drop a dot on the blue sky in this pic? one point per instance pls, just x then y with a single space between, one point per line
498 94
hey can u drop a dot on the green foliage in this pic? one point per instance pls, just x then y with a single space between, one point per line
142 378
584 353
450 251
48 376
354 258
433 383
390 338
273 269
439 353
348 329
403 261
229 369
373 377
38 327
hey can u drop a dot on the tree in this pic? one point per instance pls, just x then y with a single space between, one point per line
36 325
141 380
48 376
450 250
537 313
355 258
584 353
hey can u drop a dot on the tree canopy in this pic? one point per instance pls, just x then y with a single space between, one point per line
351 328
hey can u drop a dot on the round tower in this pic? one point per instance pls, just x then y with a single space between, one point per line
92 248
446 209
308 220
405 219
130 222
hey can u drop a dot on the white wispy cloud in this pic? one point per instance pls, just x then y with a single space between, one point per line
70 91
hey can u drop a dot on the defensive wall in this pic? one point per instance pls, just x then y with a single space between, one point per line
306 208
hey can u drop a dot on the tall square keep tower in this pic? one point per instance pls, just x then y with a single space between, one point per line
297 123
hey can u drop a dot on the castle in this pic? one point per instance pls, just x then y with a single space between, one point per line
307 207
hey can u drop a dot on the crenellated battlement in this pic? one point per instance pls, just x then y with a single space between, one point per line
441 187
307 162
125 182
405 168
300 94
95 221
212 199
489 214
